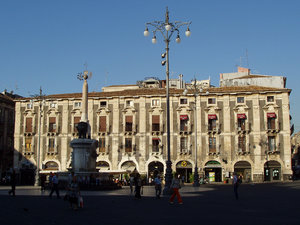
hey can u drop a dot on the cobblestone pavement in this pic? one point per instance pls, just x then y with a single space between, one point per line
272 203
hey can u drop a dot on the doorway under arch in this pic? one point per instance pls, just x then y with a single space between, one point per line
272 171
155 168
213 171
243 168
184 169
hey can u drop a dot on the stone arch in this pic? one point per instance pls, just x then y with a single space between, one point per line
53 161
128 165
51 165
103 165
272 170
243 168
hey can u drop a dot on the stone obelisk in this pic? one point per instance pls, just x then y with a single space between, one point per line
84 149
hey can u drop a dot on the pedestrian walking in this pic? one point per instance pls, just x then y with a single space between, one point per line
236 183
157 182
13 183
74 193
55 186
138 186
175 185
131 183
43 181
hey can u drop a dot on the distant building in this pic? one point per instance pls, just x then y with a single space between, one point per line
240 128
7 122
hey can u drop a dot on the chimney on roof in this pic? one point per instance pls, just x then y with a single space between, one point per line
243 70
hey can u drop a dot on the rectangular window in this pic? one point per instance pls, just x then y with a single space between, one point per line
76 122
51 144
183 144
155 145
183 125
240 100
102 104
212 124
102 145
52 124
155 102
183 101
212 144
28 145
28 126
102 124
29 106
270 98
129 103
271 144
128 123
53 105
241 124
155 123
241 144
77 104
211 101
271 123
128 145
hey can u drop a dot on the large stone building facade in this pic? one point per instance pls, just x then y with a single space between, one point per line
240 128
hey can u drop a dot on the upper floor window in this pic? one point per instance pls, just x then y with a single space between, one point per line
29 106
240 100
102 145
155 102
155 145
28 145
155 122
51 144
271 143
183 144
52 124
103 104
128 144
183 101
128 123
102 123
129 103
211 101
271 121
241 119
212 144
53 105
270 98
212 121
77 104
241 144
28 125
183 123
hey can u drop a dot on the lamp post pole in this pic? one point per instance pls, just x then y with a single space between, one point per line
167 28
37 175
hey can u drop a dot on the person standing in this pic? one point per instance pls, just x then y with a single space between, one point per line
54 186
131 183
175 185
157 182
138 186
43 181
13 183
74 193
235 186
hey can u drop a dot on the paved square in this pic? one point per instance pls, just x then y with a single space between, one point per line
273 203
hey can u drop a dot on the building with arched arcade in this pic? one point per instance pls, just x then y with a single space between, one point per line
242 126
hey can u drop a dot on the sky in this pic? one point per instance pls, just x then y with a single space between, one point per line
46 43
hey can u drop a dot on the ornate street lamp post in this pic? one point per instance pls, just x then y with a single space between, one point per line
167 28
40 98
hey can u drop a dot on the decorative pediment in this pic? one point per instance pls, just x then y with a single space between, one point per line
129 109
271 107
53 111
156 109
183 108
241 108
212 109
103 110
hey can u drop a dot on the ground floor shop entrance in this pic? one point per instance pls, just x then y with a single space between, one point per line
243 168
155 168
272 171
213 171
184 169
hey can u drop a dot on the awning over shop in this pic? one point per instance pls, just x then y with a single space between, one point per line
241 116
212 116
271 115
183 117
213 164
